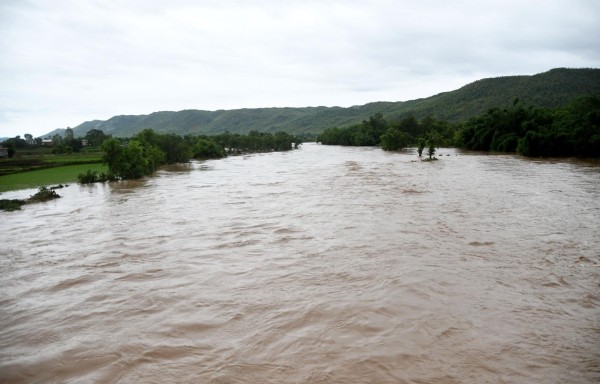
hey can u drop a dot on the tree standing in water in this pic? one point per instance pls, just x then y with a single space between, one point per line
433 140
421 146
431 150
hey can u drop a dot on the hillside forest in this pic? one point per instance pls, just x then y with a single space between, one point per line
552 89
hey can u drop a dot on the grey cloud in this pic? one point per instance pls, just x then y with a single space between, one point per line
82 60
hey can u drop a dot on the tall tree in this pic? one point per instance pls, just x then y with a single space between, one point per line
95 137
57 140
68 134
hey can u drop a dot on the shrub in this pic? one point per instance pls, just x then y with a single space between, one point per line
89 177
11 204
43 194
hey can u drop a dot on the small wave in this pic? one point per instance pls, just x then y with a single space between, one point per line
481 244
70 283
237 244
286 230
411 191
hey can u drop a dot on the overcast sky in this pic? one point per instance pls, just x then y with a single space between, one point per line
64 62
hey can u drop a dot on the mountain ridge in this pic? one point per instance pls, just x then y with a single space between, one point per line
550 89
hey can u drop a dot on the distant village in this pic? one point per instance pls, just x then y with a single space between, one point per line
59 144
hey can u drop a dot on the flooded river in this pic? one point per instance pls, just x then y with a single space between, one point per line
319 265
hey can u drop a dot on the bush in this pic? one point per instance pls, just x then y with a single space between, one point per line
11 204
43 194
208 149
89 177
62 150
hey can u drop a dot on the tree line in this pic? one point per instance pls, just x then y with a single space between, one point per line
392 136
146 151
573 130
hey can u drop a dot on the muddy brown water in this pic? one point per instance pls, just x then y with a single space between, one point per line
321 265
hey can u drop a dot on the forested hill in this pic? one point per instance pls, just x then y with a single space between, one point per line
549 89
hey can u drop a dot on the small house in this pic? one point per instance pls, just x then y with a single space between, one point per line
3 153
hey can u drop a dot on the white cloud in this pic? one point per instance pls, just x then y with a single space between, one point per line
65 62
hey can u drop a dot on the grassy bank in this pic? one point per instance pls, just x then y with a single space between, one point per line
45 177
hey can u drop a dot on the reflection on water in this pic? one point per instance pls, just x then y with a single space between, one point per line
322 265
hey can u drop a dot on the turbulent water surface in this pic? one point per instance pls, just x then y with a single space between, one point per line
319 265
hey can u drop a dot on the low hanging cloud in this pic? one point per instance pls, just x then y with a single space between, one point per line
65 62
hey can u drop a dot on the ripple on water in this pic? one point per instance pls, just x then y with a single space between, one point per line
323 265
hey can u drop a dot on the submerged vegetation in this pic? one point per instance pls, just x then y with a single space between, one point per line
391 136
43 194
573 130
145 152
100 157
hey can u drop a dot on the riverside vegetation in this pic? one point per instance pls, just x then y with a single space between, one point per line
145 152
573 130
477 116
31 164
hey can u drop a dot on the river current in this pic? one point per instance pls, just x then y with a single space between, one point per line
319 265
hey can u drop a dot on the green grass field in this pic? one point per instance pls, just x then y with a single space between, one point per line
41 158
47 177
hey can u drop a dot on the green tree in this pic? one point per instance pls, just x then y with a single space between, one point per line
17 142
421 146
114 157
155 157
208 149
433 140
95 137
394 140
57 140
68 134
176 149
10 148
411 126
136 163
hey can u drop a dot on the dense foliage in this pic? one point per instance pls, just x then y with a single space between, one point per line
368 133
392 136
573 130
256 141
145 152
95 137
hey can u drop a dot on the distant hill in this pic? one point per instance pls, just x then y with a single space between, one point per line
549 89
